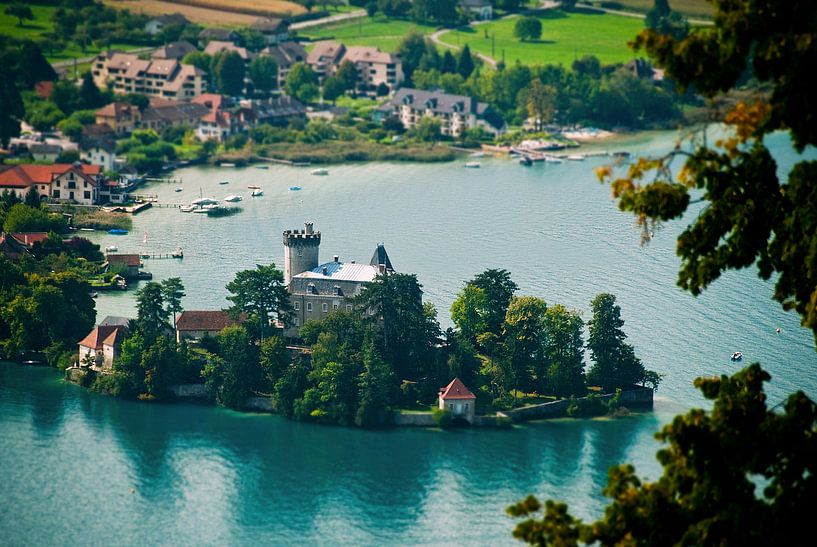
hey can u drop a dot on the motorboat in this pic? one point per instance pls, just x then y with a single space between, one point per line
224 182
117 232
178 253
552 159
228 165
111 249
575 157
737 356
294 188
525 160
257 192
321 171
187 208
473 164
262 166
254 187
232 198
178 189
478 155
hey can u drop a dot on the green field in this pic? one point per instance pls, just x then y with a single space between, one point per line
34 30
690 8
365 31
565 37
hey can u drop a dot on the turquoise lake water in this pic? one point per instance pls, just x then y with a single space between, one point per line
78 468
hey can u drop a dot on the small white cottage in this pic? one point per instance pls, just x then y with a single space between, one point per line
457 399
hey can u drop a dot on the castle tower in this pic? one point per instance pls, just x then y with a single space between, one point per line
300 251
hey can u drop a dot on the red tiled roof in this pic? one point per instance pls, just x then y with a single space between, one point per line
44 89
213 321
23 176
101 335
127 260
456 390
30 238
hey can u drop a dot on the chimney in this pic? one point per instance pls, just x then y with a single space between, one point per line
336 257
308 228
325 270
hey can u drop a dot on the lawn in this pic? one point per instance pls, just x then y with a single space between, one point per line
41 24
565 37
367 31
690 8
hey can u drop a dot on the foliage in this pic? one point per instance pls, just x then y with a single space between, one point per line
151 316
302 83
260 293
739 473
470 311
23 218
442 417
229 73
523 336
562 370
427 129
465 63
20 11
528 28
234 373
263 71
172 294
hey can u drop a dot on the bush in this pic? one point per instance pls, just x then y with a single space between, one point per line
503 422
586 407
442 418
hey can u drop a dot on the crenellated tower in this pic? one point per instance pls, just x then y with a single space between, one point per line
300 251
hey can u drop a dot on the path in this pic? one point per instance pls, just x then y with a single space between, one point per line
636 15
328 20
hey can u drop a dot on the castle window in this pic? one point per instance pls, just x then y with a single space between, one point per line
348 307
324 307
296 322
309 306
300 252
296 306
335 305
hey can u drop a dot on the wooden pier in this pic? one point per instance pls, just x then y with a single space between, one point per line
161 256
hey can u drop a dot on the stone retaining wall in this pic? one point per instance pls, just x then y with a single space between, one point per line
417 419
190 391
259 404
636 397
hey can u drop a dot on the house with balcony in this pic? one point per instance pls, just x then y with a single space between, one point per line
274 30
167 78
456 113
77 183
375 68
285 55
325 58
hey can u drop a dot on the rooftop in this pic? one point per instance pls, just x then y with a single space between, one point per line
213 321
342 271
456 390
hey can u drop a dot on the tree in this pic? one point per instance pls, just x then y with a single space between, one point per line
333 88
660 10
274 358
739 474
22 218
263 72
12 110
470 311
410 51
43 115
541 103
347 74
562 372
448 64
229 72
523 336
233 374
20 11
465 63
32 66
499 289
150 311
375 384
172 294
302 82
200 60
32 198
260 293
428 129
527 28
89 94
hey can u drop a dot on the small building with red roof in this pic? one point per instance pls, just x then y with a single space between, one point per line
458 400
194 325
60 182
101 347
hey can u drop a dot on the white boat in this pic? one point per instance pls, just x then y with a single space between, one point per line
737 356
204 201
552 159
145 238
473 164
111 249
187 208
87 230
575 157
320 171
178 189
478 155
257 192
200 210
228 165
232 198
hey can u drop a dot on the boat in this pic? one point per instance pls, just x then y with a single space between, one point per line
178 253
737 356
144 255
552 159
258 192
232 198
473 164
295 188
145 238
204 201
525 160
224 182
117 232
254 187
262 166
87 230
228 165
575 157
178 189
187 208
200 210
321 171
478 155
111 249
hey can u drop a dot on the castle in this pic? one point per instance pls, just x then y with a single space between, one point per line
315 289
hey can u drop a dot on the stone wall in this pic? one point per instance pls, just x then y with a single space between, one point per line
190 391
635 397
418 419
259 404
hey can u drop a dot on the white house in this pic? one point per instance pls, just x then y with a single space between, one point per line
458 400
101 347
480 9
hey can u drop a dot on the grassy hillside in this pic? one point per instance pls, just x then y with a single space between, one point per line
365 31
690 8
566 36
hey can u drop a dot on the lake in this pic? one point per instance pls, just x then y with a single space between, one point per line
82 468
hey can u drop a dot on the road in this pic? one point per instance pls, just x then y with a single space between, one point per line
328 20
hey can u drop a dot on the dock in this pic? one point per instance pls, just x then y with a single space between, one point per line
162 256
286 162
164 179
